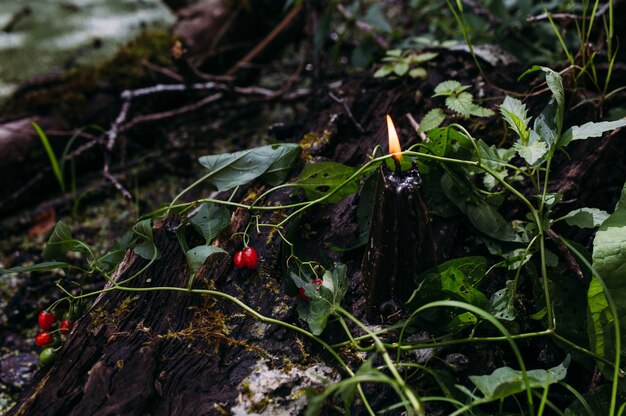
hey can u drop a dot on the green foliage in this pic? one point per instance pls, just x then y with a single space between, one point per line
198 255
210 220
505 381
585 217
147 249
271 163
399 63
323 299
609 260
60 242
51 156
319 179
46 265
459 100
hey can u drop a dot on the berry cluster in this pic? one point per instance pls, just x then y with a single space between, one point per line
247 257
50 340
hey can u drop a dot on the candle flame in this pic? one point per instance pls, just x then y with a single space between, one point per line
394 143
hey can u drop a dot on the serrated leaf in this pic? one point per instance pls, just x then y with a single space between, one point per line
555 84
198 255
586 217
209 220
514 113
230 170
588 130
461 103
60 242
432 120
505 381
47 265
449 87
531 153
147 249
479 111
318 179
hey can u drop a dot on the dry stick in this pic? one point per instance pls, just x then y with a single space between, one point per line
266 41
416 126
567 16
348 112
162 70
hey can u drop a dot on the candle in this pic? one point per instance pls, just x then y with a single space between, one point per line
400 242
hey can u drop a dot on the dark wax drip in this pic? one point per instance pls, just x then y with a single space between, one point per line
400 245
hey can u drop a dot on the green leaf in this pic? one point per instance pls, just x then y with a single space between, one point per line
478 111
609 260
322 299
60 242
586 217
147 249
422 57
588 130
280 167
462 321
51 156
449 87
230 170
502 302
481 214
418 72
110 260
514 112
318 179
505 381
210 220
461 103
600 325
459 277
47 265
532 153
198 255
383 71
432 120
555 84
401 68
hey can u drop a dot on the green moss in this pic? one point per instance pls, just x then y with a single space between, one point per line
124 71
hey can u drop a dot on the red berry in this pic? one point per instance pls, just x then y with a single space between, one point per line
43 339
46 319
302 294
66 326
238 260
250 258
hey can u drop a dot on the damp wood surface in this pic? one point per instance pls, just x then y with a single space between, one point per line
176 353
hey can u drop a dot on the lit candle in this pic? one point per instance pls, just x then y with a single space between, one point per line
400 241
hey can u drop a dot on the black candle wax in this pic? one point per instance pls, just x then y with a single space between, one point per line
400 243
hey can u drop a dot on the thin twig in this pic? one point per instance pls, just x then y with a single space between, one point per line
567 16
266 40
416 126
348 112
